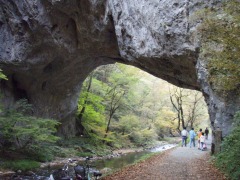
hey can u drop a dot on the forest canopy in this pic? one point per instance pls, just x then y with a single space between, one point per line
122 105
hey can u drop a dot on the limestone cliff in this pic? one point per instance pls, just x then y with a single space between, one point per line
48 47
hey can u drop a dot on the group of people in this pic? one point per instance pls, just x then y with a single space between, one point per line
202 136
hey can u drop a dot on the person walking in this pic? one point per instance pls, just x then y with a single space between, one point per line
184 135
199 135
192 136
206 133
202 141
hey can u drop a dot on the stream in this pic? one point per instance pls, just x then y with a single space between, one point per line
116 163
105 166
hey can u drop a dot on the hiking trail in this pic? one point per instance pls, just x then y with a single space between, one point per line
175 164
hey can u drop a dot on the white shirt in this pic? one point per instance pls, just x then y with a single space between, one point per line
202 138
184 132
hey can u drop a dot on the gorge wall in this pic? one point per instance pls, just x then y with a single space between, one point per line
48 47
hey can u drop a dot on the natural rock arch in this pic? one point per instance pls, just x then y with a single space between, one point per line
48 47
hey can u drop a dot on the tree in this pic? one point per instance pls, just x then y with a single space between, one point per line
115 95
176 98
194 110
189 106
82 107
135 106
90 109
19 130
119 82
165 124
128 124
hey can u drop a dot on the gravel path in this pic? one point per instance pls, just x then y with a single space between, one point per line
175 164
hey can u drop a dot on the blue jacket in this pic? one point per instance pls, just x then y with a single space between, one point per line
192 134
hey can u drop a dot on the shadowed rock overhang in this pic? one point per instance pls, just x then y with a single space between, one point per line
48 47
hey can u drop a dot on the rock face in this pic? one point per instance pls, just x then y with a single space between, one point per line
48 47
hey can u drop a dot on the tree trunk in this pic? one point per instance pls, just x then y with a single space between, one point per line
79 126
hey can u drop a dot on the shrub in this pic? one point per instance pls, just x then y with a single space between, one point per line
143 137
2 76
44 153
228 159
20 131
220 44
84 154
23 165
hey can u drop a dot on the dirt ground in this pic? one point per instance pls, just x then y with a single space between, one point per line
175 164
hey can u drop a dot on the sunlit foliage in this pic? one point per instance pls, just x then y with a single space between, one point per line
2 76
124 106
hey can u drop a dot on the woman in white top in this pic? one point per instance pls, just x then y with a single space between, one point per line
202 141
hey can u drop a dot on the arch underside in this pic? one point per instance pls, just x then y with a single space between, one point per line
47 49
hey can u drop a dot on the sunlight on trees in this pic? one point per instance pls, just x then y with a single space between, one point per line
2 76
189 106
122 105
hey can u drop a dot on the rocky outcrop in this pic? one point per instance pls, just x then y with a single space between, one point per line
48 47
47 50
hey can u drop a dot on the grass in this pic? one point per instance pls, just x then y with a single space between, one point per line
23 165
80 147
145 157
172 140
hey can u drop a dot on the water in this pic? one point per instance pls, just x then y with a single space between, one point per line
163 148
106 165
103 165
121 161
127 159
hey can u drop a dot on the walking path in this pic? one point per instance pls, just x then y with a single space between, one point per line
176 164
